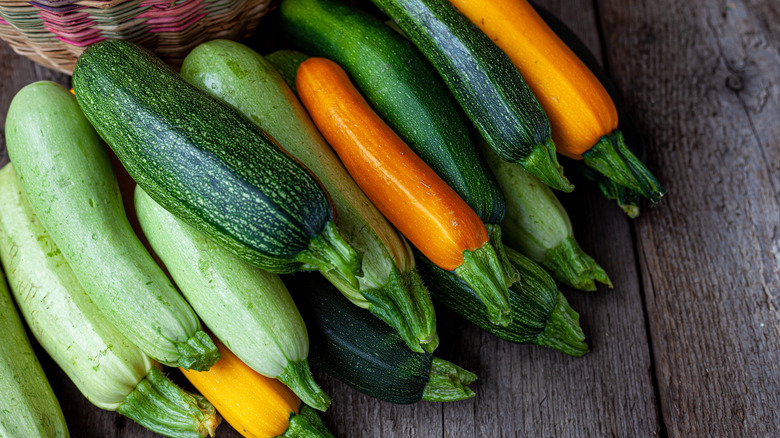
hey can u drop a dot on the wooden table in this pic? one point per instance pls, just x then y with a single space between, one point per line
688 341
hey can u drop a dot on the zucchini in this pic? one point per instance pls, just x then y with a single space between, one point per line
536 224
540 313
358 349
246 308
208 164
390 286
30 408
107 368
484 81
627 199
406 92
403 88
66 173
286 63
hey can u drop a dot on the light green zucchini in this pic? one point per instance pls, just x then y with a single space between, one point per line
108 369
67 176
30 408
537 225
390 286
246 308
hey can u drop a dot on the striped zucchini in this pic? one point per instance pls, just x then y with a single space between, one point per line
390 286
540 313
208 164
484 81
536 224
107 368
30 408
246 308
351 345
66 173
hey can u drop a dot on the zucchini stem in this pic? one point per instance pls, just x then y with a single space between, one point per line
611 157
447 382
160 406
543 163
412 316
329 252
563 331
627 199
481 271
569 264
511 275
306 424
298 378
198 352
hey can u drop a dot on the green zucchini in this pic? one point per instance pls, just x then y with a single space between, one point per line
358 349
484 81
540 313
67 175
208 164
536 224
390 286
286 63
30 408
107 368
246 308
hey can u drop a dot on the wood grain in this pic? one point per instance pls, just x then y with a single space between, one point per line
703 79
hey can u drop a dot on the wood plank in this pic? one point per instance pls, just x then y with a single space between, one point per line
703 79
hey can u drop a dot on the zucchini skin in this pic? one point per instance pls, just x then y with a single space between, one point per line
67 176
200 158
399 83
30 408
245 307
390 286
107 368
358 349
540 313
483 80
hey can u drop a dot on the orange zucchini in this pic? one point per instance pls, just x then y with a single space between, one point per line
255 405
408 192
582 115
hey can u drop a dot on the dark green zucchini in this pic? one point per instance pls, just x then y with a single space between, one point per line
360 350
484 81
540 313
626 198
208 164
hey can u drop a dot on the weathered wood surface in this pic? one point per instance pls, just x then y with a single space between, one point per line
704 80
693 320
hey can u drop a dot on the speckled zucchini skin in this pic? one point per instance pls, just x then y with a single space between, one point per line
404 89
200 158
484 81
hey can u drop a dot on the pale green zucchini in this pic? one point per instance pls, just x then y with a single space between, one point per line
108 369
30 408
67 176
537 225
246 308
390 286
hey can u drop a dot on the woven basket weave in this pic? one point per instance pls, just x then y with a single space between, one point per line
55 32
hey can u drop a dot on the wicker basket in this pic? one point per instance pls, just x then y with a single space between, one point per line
55 32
